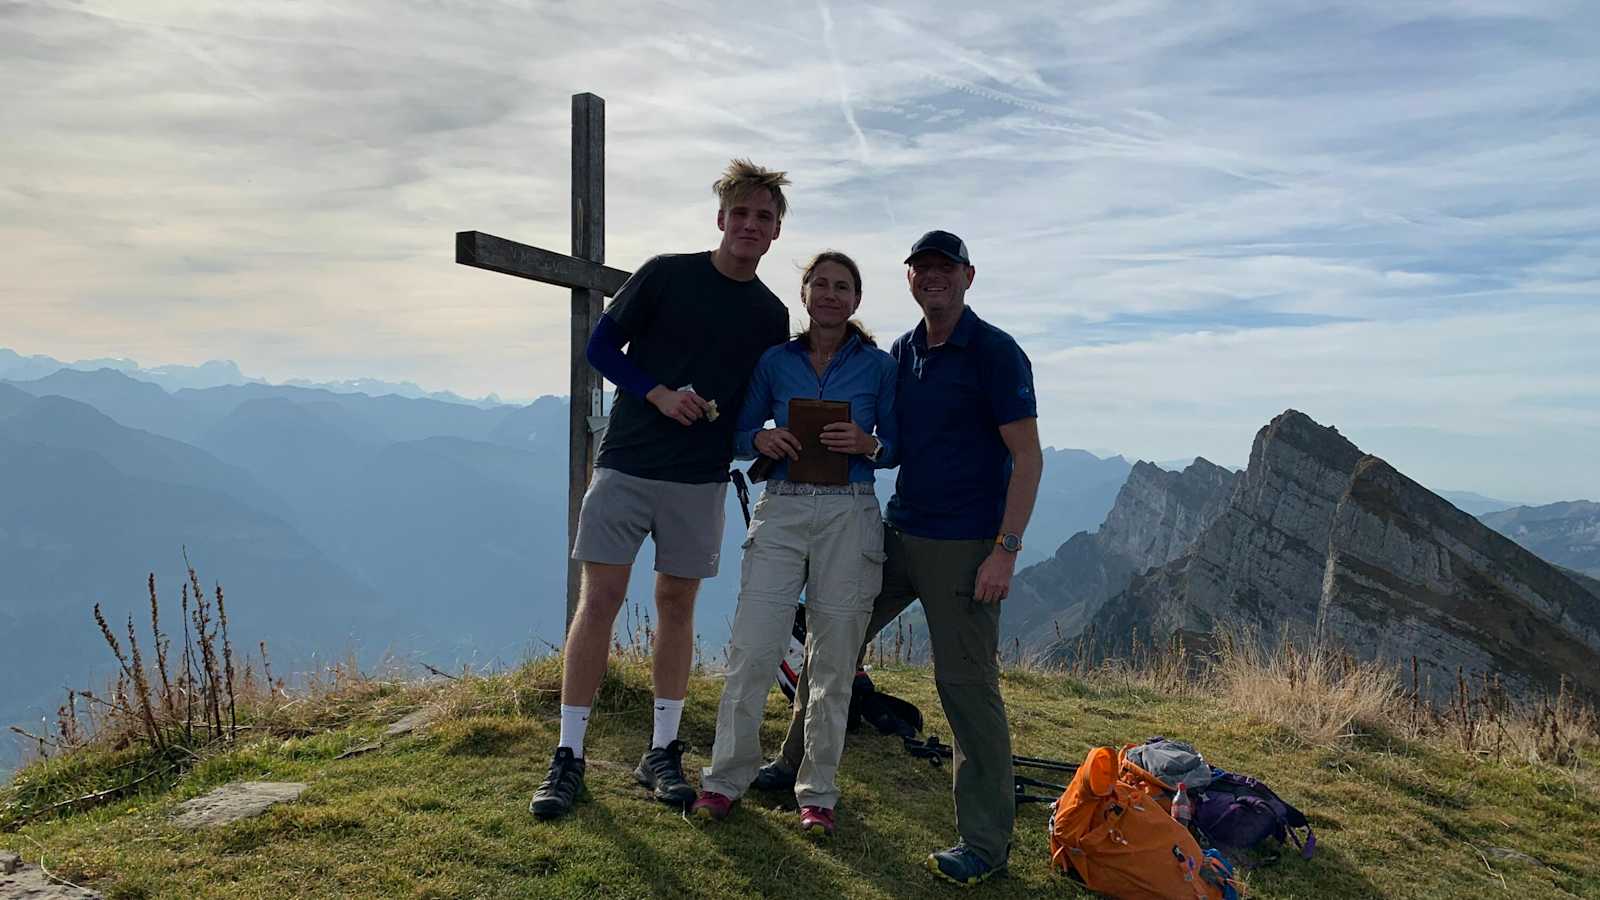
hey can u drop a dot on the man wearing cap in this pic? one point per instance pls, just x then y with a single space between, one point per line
969 471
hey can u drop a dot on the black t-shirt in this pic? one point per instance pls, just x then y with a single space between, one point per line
687 324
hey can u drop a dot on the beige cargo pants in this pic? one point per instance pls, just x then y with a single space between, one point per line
832 546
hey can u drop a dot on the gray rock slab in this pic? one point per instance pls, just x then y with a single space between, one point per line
1508 854
232 802
368 747
414 721
30 883
9 862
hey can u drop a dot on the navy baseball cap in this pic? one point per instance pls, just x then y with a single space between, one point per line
941 242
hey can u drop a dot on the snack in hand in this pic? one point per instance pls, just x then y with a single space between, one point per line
711 411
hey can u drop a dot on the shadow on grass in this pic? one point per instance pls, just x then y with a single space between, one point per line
1331 873
897 809
777 860
665 877
488 738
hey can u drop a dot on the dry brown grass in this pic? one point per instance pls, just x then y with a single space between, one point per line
1482 718
1315 693
163 716
1322 695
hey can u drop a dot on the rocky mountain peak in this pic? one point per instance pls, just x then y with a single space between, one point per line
1159 513
1321 541
1156 516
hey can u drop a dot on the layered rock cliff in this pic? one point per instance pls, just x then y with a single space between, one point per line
1323 542
1157 514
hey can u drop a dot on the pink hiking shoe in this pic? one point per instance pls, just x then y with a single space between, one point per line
712 805
816 820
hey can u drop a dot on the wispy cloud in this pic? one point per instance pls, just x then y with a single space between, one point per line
1196 214
843 86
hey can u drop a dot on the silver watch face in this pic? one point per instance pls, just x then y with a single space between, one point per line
1012 543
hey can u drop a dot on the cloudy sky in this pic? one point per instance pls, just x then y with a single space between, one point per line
1194 215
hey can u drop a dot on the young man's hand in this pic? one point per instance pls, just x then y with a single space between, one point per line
777 443
847 437
994 576
683 407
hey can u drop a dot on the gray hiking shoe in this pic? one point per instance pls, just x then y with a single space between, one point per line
561 788
962 865
661 769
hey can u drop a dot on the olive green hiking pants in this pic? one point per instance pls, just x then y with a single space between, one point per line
965 637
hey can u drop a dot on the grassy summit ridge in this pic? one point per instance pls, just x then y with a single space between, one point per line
442 812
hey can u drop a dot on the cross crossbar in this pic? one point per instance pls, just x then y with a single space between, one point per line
497 254
590 280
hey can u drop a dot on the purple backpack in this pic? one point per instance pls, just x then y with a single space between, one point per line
1237 812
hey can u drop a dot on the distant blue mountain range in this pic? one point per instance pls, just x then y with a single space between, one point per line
213 373
338 522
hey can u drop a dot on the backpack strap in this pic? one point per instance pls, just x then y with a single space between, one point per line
1291 820
1310 845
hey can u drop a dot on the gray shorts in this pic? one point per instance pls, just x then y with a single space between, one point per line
685 520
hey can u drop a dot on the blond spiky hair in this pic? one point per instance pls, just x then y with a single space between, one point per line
743 178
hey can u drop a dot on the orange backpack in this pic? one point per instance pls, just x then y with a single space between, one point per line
1112 828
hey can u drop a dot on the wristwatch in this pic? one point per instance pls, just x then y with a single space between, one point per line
877 449
1009 542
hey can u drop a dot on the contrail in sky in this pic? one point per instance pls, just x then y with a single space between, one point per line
838 77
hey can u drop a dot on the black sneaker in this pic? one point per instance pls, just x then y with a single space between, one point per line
774 776
561 788
962 865
662 769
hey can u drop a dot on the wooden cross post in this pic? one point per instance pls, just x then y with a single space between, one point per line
591 282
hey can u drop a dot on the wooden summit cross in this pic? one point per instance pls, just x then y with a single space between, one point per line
591 282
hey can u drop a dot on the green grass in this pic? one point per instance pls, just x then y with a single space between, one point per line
443 813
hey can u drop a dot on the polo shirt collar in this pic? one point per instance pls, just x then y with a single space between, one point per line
960 337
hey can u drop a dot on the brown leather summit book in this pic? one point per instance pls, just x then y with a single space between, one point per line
817 464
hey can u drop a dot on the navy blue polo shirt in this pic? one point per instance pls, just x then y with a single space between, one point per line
953 398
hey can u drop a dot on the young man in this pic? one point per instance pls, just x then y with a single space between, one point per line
969 471
694 324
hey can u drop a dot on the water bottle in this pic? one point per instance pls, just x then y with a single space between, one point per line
1182 809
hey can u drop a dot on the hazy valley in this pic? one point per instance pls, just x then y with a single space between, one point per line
433 530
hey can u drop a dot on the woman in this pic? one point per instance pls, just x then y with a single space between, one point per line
825 539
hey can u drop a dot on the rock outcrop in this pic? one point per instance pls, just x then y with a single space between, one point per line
1156 516
1323 542
24 882
235 801
1567 534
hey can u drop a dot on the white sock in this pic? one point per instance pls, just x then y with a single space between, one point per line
574 722
668 714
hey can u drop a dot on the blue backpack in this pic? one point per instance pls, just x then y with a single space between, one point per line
1237 812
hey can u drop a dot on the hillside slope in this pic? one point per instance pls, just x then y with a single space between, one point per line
1567 534
442 812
